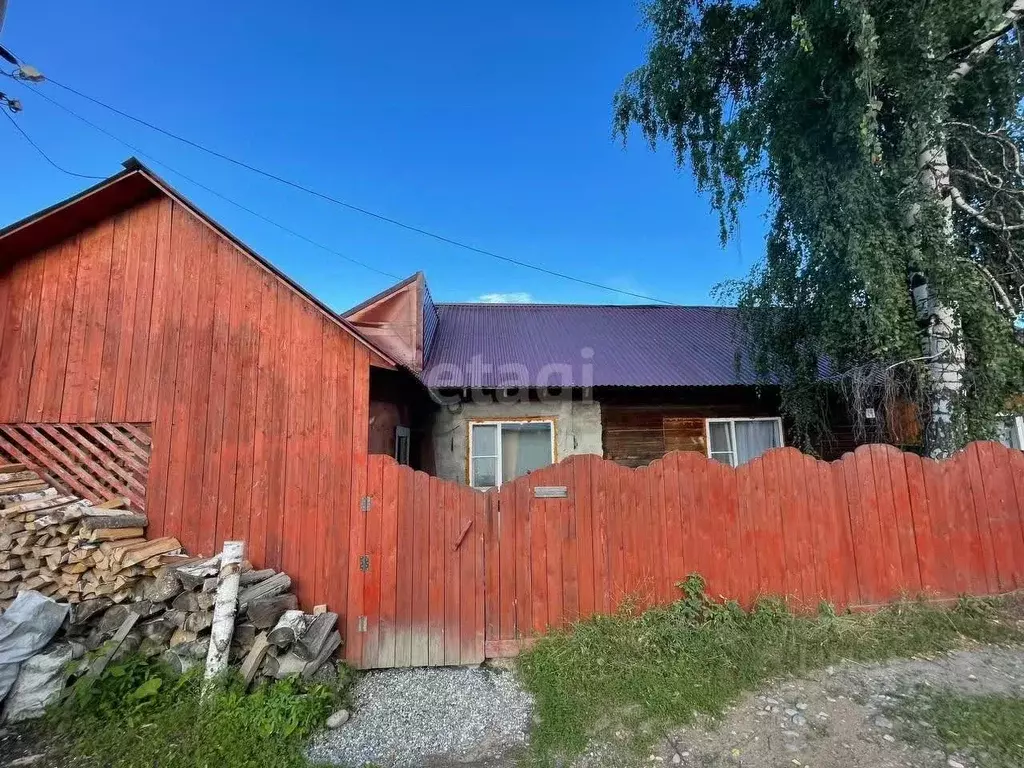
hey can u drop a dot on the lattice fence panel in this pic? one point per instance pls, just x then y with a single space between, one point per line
94 461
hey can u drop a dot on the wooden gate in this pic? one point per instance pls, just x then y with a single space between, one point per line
417 554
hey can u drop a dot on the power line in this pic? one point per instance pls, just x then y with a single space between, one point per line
351 206
45 156
214 192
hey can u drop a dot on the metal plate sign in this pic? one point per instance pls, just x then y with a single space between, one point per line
551 492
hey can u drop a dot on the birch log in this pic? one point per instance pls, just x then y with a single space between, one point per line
224 609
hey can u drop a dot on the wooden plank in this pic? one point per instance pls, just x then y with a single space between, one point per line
599 494
164 314
389 544
326 482
1000 512
50 294
866 529
521 510
971 534
187 249
893 579
100 434
357 529
405 555
46 406
450 560
570 548
581 490
372 577
338 535
47 453
466 553
217 527
97 297
904 521
419 621
313 324
435 554
492 590
920 516
264 487
535 513
17 356
1015 460
114 324
130 383
480 516
360 420
554 511
117 476
197 516
938 496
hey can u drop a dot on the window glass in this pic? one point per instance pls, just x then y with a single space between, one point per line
524 448
1010 433
721 441
485 440
485 472
754 438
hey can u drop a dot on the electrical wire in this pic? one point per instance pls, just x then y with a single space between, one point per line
45 156
212 191
351 206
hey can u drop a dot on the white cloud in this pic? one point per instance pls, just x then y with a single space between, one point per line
505 298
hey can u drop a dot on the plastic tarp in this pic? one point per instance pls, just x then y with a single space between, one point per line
25 629
39 683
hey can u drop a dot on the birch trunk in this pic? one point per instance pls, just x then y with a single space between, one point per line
224 608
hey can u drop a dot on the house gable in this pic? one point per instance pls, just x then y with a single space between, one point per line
395 320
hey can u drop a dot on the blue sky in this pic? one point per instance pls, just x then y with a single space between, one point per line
488 123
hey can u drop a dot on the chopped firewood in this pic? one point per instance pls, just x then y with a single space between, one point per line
93 522
254 658
113 534
248 578
275 585
332 644
310 642
97 667
264 612
289 628
156 547
193 575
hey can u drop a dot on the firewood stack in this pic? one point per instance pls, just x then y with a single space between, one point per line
66 547
146 595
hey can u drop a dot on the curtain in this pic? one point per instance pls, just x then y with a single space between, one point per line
754 438
524 448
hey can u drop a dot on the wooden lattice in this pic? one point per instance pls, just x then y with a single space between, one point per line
94 461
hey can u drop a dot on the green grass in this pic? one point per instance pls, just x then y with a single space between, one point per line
667 665
989 728
138 715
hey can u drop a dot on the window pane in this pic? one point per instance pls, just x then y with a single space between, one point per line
485 440
721 438
485 472
724 458
754 438
524 448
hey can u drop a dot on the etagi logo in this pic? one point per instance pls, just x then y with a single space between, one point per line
482 381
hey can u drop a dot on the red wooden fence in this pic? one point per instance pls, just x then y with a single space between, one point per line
454 575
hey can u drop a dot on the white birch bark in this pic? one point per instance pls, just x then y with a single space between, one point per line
224 609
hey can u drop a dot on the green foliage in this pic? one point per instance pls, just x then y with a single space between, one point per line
990 728
138 714
826 106
667 665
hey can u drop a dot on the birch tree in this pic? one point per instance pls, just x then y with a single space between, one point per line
887 136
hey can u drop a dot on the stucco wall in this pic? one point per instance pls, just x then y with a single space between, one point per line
577 429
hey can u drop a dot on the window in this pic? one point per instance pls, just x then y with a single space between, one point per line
503 451
1011 432
737 441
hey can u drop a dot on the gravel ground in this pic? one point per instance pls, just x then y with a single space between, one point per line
843 716
430 717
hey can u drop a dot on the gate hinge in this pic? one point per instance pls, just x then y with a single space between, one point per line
361 624
364 563
365 503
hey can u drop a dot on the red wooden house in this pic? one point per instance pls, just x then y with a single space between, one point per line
131 323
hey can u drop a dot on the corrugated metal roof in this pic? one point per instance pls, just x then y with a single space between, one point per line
500 345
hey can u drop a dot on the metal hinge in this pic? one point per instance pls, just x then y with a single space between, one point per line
365 503
364 563
361 624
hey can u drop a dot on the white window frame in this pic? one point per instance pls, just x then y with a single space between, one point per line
499 423
732 433
1017 426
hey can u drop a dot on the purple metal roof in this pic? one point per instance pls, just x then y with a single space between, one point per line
515 345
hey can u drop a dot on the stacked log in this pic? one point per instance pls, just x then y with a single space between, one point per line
137 595
66 547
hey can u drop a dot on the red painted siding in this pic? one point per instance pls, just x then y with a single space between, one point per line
257 400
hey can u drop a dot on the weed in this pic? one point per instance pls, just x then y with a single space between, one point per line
991 728
139 715
670 664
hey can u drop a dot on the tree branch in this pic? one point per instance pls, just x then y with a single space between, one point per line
1002 297
988 42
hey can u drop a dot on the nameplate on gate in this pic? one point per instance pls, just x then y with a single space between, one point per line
550 492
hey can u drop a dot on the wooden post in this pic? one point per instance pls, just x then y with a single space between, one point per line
224 609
